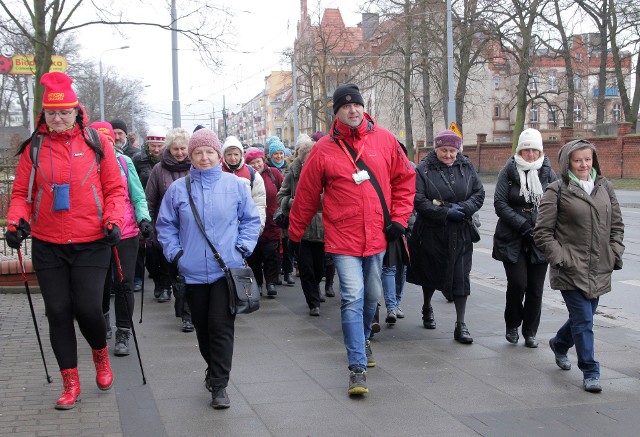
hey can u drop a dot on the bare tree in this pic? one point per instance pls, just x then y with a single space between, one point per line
43 22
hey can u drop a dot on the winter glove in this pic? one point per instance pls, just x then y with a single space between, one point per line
526 230
455 214
394 231
112 234
294 248
146 229
16 234
457 207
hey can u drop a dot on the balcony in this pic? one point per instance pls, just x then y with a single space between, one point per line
608 92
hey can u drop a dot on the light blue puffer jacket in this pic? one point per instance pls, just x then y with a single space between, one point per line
230 218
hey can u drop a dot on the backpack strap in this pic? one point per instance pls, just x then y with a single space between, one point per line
36 142
273 179
123 165
253 174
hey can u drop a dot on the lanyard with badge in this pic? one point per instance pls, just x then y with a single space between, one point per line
360 175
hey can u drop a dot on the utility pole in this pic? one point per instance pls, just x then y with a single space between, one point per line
175 104
224 116
451 107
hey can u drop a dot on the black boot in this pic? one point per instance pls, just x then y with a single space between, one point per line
461 333
219 398
289 279
428 319
328 289
121 348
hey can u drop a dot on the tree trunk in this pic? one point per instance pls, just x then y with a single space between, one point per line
406 79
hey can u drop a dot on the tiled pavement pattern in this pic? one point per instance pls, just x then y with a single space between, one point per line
289 377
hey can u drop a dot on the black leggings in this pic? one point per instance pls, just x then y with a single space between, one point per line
71 278
525 282
128 253
214 327
265 259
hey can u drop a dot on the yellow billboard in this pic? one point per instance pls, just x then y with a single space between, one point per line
25 64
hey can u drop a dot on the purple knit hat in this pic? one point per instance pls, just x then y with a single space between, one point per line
447 138
203 138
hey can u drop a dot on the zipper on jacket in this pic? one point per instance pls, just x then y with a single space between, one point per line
98 204
38 200
88 173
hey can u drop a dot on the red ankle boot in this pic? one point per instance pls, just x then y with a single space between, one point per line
104 376
71 391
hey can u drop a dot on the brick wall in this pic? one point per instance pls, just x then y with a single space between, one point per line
619 156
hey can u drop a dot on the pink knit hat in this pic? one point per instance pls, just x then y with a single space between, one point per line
253 153
204 138
447 138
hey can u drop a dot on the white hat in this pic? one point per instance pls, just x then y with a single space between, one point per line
156 134
232 141
529 139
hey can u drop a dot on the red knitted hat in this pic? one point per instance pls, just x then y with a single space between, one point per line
58 93
253 153
105 128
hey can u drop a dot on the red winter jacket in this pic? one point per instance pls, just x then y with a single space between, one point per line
351 213
95 197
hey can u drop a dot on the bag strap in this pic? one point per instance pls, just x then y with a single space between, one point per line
372 178
252 172
123 165
216 255
36 142
273 178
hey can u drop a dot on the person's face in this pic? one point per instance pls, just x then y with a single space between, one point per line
447 155
580 163
61 119
530 155
257 164
155 148
178 150
278 157
232 156
351 114
121 137
205 157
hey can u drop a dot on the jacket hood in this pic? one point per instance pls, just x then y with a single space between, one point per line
565 153
296 167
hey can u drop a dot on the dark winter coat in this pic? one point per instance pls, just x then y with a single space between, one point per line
517 217
273 180
441 250
581 234
144 164
163 175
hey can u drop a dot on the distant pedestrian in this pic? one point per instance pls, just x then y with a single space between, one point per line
76 211
231 222
122 140
580 230
519 189
448 193
354 226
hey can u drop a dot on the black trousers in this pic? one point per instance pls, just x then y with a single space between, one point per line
71 278
525 282
214 327
265 259
311 265
287 258
159 267
128 253
140 262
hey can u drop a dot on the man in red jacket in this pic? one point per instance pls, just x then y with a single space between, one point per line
352 214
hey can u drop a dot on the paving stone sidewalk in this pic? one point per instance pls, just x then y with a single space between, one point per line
289 377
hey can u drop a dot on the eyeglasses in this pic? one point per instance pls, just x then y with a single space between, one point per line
61 114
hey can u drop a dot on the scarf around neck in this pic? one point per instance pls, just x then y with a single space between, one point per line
530 186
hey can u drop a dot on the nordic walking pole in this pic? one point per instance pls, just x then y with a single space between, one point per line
126 303
144 273
33 314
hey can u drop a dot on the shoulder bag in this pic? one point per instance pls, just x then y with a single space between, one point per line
244 295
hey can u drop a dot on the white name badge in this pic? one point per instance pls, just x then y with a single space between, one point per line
360 176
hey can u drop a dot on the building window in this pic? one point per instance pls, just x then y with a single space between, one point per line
533 114
496 82
617 112
279 132
496 111
553 81
577 113
577 81
553 116
533 83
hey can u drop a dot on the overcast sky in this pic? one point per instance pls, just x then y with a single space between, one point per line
263 28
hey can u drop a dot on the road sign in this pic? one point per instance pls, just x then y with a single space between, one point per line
25 64
454 128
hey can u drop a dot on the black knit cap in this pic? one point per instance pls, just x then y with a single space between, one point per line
119 124
345 94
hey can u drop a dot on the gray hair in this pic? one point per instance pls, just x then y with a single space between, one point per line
176 135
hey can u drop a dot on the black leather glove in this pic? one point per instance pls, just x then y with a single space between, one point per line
16 233
294 248
146 229
177 258
394 231
455 214
112 234
526 230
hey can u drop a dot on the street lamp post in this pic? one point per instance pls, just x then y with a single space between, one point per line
213 113
102 80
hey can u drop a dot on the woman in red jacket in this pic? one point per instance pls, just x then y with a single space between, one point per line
75 217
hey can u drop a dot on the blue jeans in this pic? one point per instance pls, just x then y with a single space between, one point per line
360 289
578 331
393 286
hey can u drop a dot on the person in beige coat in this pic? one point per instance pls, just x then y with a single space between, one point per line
580 230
